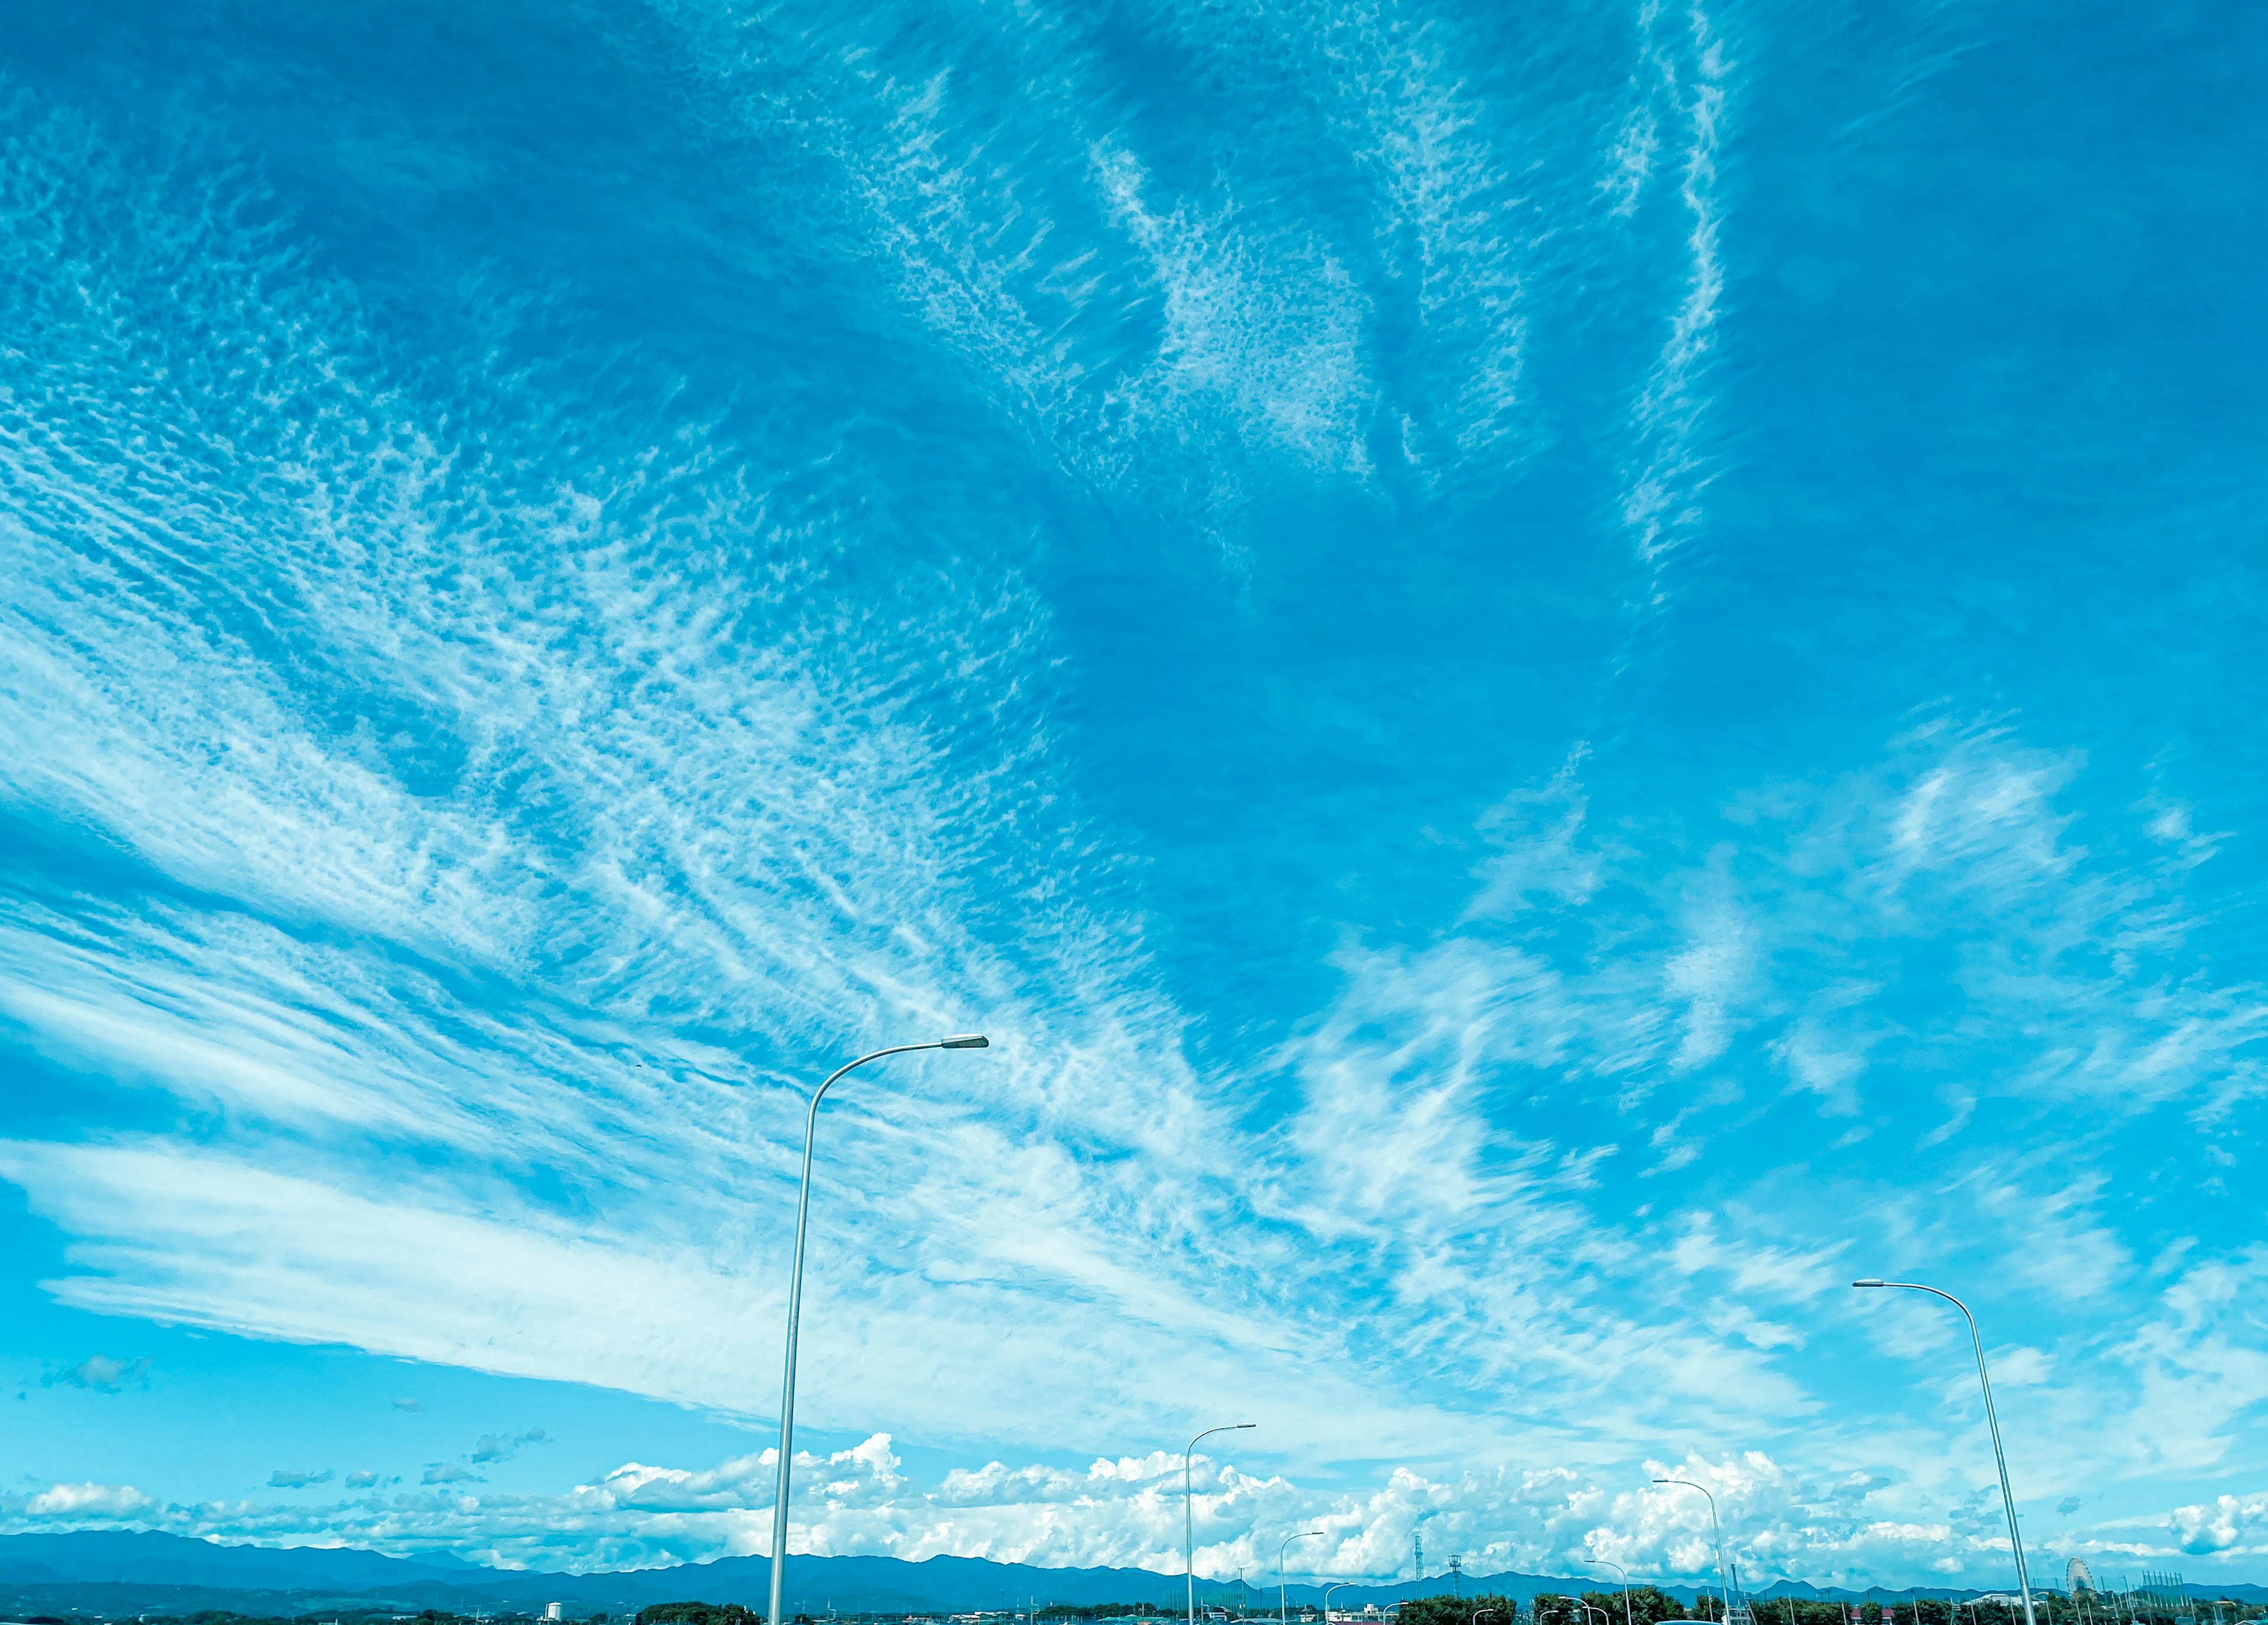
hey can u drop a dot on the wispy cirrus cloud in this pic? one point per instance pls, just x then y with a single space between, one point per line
482 808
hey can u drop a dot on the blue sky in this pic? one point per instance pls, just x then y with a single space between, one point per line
1556 676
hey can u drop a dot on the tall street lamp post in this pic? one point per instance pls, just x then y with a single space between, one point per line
1188 1518
1339 1586
1991 1420
1724 1586
1609 1563
1282 1609
960 1041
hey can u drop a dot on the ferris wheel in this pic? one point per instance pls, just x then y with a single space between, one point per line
2076 1577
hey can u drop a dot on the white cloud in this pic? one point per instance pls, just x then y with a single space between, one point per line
1126 1512
1686 69
2220 1524
80 1502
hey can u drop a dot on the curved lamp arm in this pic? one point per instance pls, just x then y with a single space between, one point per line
1991 1420
959 1041
1283 1607
1188 1524
1609 1563
1724 1586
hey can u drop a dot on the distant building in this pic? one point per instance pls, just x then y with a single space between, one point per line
551 1610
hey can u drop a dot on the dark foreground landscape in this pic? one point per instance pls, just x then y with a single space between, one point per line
117 1575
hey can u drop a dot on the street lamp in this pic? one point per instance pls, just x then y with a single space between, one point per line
959 1041
1609 1563
1338 1585
1282 1612
1724 1587
1991 1420
1189 1523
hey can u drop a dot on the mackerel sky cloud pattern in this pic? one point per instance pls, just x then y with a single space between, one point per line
1555 676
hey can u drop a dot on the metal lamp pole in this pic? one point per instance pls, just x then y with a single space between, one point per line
1609 1563
1338 1585
1991 1420
1283 1611
1189 1522
1724 1586
959 1041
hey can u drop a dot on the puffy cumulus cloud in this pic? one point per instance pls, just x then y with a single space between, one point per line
994 1483
451 1472
1126 1512
1778 1525
285 1478
100 1374
2220 1524
865 1474
737 1482
1666 1527
849 1485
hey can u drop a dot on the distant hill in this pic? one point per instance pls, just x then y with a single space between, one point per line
116 1573
101 1557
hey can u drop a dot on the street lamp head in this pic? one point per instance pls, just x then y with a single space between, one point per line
1233 1426
966 1041
1870 1283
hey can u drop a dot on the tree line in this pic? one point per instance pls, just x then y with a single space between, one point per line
1645 1605
1651 1605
